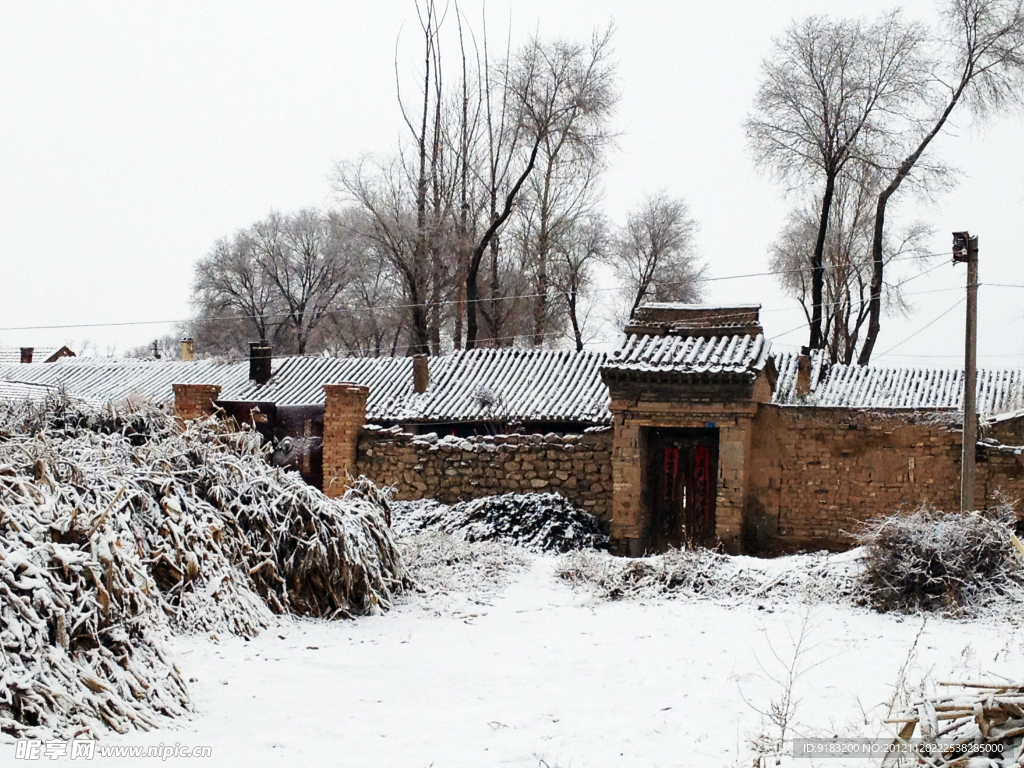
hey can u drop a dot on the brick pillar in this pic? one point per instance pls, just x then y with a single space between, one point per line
629 521
344 417
195 401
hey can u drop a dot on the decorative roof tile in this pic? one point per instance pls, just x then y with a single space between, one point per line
691 355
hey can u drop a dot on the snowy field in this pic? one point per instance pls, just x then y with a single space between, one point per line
537 673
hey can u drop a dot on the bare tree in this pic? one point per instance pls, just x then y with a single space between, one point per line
847 260
233 296
654 256
278 278
306 259
574 257
561 95
572 153
982 67
826 94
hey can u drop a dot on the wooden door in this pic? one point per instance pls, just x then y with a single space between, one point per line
683 484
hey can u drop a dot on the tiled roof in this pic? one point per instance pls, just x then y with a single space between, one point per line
106 380
39 354
857 386
16 392
484 384
691 355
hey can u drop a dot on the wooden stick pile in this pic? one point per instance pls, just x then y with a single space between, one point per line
115 529
978 720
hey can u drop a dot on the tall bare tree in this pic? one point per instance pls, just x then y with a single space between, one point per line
826 92
847 258
654 255
981 65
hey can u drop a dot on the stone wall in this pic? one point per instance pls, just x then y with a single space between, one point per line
817 472
455 469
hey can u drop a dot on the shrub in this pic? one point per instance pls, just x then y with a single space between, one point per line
934 560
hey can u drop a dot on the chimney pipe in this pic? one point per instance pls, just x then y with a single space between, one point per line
260 357
803 372
26 354
188 349
420 374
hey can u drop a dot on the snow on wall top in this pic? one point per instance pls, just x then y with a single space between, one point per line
855 386
691 354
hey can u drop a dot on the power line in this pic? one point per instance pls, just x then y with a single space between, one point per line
919 330
445 303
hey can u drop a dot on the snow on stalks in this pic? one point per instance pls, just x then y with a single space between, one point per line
934 560
116 528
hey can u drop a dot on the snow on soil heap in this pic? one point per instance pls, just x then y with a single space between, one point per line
543 522
115 529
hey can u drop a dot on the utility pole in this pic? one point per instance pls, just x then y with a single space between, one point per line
965 249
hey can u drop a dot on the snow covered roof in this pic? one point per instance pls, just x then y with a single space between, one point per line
486 384
483 384
856 386
691 355
39 354
104 380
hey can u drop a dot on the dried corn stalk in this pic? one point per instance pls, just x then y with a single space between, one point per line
115 529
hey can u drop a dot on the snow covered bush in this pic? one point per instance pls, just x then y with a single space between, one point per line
934 560
116 528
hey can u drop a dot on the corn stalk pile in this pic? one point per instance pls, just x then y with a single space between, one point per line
116 528
968 724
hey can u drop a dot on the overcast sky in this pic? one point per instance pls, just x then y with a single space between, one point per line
133 135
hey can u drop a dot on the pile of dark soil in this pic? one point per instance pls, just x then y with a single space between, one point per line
544 522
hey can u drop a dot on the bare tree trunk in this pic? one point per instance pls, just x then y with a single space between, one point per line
877 239
818 265
472 294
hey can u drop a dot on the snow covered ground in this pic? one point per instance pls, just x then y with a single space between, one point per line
540 674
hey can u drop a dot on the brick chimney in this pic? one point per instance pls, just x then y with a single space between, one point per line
195 401
26 354
803 372
344 417
260 358
420 374
188 349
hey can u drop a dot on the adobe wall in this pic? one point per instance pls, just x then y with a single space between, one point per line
456 469
815 473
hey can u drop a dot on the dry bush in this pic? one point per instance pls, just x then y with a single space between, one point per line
702 573
933 560
440 563
115 528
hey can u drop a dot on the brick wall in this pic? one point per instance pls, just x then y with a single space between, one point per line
195 401
344 418
817 472
454 469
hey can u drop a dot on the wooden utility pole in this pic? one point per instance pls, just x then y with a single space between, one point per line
965 249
